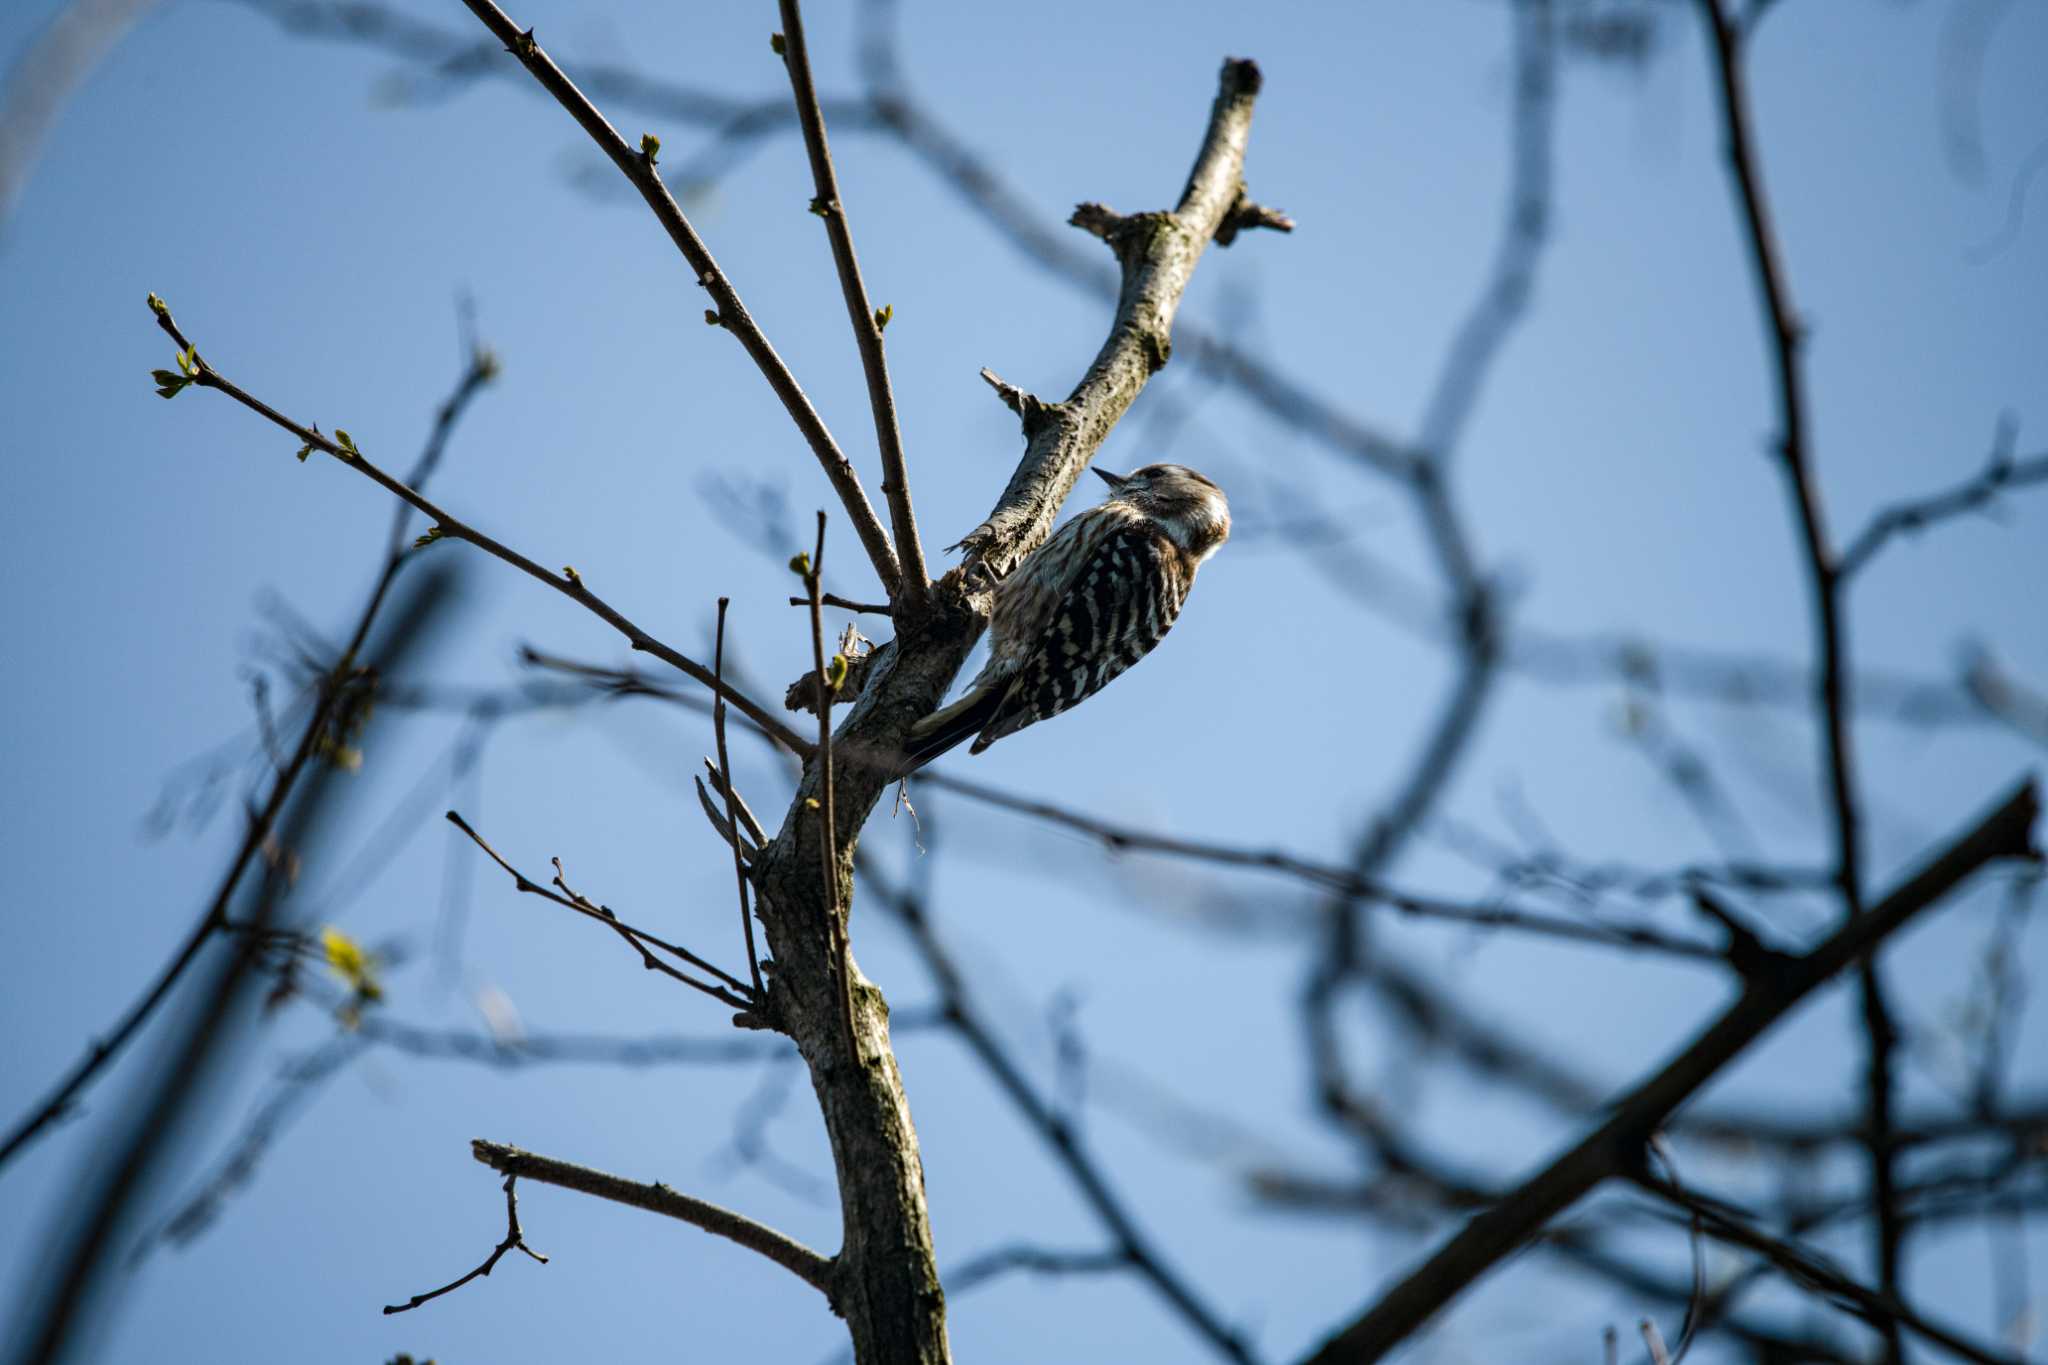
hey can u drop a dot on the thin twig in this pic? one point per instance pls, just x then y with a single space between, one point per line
1127 838
867 322
739 865
638 938
793 1256
845 604
331 692
1788 339
446 526
828 842
513 1238
638 166
1882 1309
1977 492
1824 573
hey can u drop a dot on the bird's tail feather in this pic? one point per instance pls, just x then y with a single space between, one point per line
943 729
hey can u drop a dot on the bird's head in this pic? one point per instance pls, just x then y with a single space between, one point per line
1192 510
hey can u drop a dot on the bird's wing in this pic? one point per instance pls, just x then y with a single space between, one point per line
1121 599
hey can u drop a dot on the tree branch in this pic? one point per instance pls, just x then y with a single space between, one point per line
1616 1145
1814 1272
734 992
1977 492
807 1265
448 527
1158 253
1825 580
867 321
730 313
514 1237
732 801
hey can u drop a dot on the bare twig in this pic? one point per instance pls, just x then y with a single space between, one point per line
739 865
1126 838
823 688
793 1256
868 322
844 604
747 823
639 939
1825 576
1883 1310
514 1238
978 1270
638 166
1788 339
1978 492
446 526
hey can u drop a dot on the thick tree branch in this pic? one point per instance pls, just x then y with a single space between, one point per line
638 166
868 322
1616 1145
792 1255
1157 252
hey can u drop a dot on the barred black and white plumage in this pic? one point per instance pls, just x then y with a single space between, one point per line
1081 609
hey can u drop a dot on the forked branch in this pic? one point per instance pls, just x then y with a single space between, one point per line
638 166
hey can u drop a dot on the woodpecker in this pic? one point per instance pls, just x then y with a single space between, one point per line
1086 605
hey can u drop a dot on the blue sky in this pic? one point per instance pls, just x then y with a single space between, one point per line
313 239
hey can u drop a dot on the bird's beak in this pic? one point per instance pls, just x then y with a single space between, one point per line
1113 480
